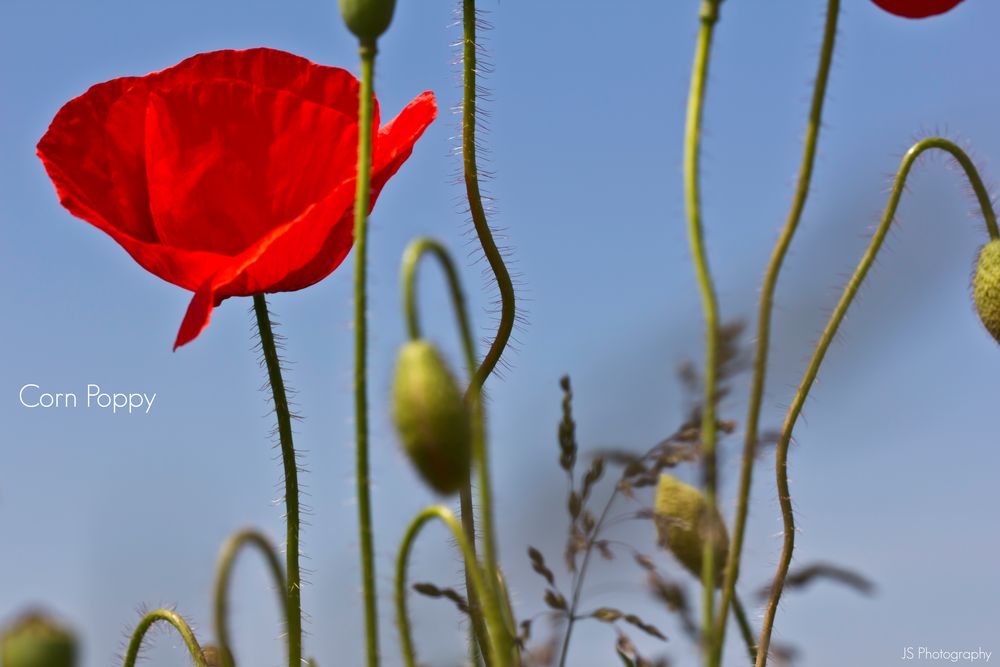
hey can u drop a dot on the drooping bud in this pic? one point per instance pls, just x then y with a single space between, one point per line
432 417
37 641
683 524
986 287
367 19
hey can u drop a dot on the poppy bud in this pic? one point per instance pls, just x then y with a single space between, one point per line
432 417
683 523
367 19
986 287
36 641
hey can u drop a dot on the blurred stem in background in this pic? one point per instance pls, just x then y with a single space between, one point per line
293 586
709 16
764 323
847 297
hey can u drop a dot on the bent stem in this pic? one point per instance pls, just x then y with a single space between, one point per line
411 260
494 618
227 557
361 205
766 306
709 16
173 618
293 587
850 291
474 195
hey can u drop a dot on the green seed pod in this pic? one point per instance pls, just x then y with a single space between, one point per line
432 417
37 641
367 19
683 523
986 287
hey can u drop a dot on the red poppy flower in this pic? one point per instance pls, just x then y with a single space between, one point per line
229 174
917 9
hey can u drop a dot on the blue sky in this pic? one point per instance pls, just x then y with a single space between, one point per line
893 470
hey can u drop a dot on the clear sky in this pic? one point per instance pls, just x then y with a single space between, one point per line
895 464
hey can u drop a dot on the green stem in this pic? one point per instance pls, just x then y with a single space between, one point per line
746 631
476 208
494 617
709 16
850 291
227 557
174 619
766 307
411 260
361 206
293 589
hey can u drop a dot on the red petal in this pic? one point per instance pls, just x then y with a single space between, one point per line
227 162
917 9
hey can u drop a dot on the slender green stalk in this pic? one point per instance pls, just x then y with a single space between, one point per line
174 619
227 557
692 144
494 617
745 629
293 588
361 206
850 291
411 260
766 307
476 209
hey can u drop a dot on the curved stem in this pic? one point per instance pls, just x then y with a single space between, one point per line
766 306
781 456
293 588
174 619
494 618
411 260
361 205
476 208
692 144
227 557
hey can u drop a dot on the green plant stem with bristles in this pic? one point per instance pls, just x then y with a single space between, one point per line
293 588
174 619
476 208
766 307
411 260
850 291
243 539
709 16
496 646
743 621
366 536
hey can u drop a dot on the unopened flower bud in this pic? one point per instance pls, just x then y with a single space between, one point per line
432 417
684 524
367 19
37 641
986 287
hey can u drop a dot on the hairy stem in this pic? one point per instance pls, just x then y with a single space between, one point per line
227 557
850 291
366 536
174 619
494 618
709 16
293 586
476 208
766 307
411 260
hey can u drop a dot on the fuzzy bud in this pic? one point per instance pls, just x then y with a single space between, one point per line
367 19
683 524
37 641
432 417
986 287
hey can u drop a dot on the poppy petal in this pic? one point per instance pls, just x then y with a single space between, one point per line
917 9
